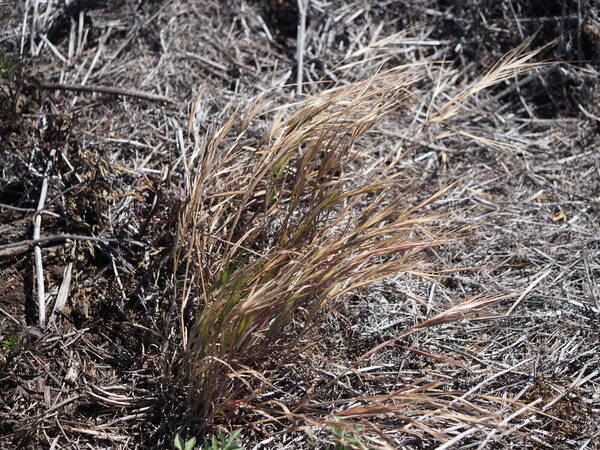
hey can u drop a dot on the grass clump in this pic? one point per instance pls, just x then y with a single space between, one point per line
276 228
277 231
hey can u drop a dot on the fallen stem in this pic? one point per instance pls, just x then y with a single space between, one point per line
23 246
108 90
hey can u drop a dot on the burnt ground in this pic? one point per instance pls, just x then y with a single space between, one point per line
522 372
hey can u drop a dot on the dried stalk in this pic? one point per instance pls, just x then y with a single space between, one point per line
109 90
37 226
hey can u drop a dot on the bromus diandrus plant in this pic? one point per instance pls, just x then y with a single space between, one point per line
284 226
280 222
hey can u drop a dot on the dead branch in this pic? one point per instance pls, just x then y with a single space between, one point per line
108 90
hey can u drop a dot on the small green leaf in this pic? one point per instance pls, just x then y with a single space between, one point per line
178 442
190 444
222 441
224 276
234 434
11 342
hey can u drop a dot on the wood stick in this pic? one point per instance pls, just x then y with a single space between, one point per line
108 90
16 248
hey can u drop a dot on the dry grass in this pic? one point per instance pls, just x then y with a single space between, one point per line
283 227
260 260
276 229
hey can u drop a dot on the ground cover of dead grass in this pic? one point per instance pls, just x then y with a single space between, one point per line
512 356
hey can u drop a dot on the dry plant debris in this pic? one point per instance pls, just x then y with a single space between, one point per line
386 255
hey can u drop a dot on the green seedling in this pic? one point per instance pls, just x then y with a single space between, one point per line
348 439
10 343
187 445
221 441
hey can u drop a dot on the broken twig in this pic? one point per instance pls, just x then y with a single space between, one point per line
16 248
108 90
